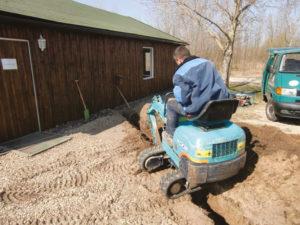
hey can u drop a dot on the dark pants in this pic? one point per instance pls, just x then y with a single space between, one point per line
174 111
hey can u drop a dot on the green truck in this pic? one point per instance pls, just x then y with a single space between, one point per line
281 83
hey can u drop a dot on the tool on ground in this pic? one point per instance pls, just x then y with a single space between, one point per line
130 113
124 99
205 148
86 111
245 99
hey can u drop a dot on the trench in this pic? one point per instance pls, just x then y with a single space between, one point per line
132 117
200 199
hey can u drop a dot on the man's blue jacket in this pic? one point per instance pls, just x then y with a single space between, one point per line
196 82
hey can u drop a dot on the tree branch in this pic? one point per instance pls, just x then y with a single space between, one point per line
205 18
215 36
217 39
224 10
245 8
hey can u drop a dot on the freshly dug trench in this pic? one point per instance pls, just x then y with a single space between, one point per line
132 117
267 190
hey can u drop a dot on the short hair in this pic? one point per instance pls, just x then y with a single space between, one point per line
181 52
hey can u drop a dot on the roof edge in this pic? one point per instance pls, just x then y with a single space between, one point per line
139 21
28 19
287 50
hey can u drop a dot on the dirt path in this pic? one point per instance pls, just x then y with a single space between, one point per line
92 179
256 115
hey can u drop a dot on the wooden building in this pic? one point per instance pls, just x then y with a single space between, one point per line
46 45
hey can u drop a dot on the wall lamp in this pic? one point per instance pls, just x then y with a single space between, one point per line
42 43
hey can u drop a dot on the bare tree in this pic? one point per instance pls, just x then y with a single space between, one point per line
235 36
290 20
224 30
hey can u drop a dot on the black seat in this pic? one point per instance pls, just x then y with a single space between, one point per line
217 111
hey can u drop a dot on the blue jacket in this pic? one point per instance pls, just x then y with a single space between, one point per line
196 82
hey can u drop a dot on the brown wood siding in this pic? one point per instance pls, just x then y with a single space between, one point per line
17 111
95 60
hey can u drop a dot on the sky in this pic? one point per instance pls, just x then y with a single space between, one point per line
147 14
124 7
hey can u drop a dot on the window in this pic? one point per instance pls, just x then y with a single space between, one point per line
290 63
148 72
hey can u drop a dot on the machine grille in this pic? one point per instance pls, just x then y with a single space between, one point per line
223 149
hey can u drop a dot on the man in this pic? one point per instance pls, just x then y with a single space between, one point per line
196 82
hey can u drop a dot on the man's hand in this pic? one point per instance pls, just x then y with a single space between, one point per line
189 116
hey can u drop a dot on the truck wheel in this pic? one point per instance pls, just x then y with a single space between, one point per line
152 159
173 185
270 112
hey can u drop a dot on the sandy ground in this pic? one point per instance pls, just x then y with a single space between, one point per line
92 179
256 115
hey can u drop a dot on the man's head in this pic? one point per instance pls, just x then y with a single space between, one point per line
180 54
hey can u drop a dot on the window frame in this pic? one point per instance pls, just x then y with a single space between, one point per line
271 80
151 76
276 62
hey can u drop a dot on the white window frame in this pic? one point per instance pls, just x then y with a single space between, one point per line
152 64
282 65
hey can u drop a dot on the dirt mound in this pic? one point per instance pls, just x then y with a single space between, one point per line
143 122
92 179
266 139
266 192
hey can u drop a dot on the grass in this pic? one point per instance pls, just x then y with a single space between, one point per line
242 87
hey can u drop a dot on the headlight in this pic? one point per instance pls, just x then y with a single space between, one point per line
286 91
203 153
289 92
241 146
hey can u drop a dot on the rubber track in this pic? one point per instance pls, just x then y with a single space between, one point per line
168 179
152 151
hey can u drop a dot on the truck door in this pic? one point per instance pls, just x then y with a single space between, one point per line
268 82
289 76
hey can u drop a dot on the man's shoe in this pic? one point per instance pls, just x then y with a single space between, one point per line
168 138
